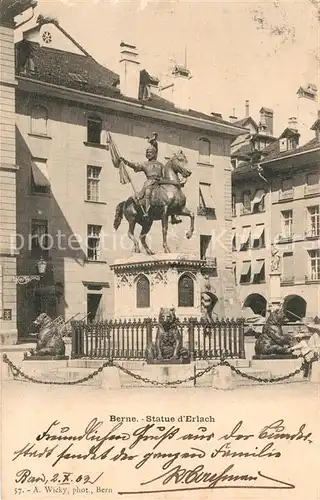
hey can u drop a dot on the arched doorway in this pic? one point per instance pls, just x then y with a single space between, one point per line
294 307
257 303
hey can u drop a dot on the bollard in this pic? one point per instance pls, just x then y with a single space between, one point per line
111 378
315 372
222 377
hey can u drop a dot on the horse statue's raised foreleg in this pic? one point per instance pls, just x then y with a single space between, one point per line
145 230
185 211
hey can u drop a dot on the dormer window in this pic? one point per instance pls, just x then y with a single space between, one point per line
283 144
292 143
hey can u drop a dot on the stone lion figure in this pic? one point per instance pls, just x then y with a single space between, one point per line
168 344
272 340
50 342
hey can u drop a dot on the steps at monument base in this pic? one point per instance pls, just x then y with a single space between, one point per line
71 374
239 381
206 379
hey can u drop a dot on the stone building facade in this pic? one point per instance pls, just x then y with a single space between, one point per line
8 167
68 188
276 203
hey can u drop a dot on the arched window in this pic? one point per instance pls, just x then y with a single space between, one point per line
39 120
143 292
185 291
204 151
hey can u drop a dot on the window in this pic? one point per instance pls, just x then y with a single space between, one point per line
206 203
143 292
40 183
235 272
312 179
283 144
246 202
313 221
94 128
314 264
185 291
93 181
245 272
312 184
287 267
258 238
205 242
245 238
204 151
93 242
258 201
258 272
292 143
234 205
39 238
39 120
286 223
286 188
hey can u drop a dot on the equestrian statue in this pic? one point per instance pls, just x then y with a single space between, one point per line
161 197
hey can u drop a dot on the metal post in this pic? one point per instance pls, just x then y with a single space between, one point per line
242 354
191 338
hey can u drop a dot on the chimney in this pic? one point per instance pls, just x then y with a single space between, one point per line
181 94
307 108
129 71
266 119
247 109
233 117
293 123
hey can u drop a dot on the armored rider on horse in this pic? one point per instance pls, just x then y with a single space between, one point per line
161 197
154 171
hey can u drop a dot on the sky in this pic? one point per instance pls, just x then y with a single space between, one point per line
261 51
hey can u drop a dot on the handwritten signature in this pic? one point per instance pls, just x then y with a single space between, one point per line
179 475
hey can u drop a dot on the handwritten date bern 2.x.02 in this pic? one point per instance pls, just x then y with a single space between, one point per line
181 459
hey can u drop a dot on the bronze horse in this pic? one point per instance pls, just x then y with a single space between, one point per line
167 199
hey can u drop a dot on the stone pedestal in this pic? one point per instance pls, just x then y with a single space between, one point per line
163 272
275 287
170 373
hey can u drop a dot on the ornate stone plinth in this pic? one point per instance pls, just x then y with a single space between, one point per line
275 287
145 283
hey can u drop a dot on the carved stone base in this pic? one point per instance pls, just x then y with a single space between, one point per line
274 356
184 361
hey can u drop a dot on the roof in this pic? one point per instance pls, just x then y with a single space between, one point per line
272 153
243 121
289 132
83 72
267 110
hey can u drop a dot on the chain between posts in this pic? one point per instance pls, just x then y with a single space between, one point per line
110 363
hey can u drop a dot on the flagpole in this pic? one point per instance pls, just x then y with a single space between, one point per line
127 174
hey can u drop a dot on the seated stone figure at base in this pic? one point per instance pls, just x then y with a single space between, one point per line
168 344
50 342
272 340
